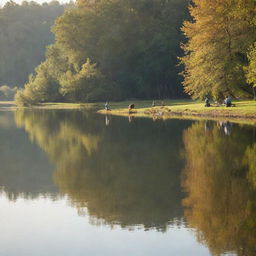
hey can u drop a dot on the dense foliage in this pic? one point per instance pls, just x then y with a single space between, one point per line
251 69
111 50
24 34
220 37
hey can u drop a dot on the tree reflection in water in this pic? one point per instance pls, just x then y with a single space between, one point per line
24 169
129 173
125 173
219 179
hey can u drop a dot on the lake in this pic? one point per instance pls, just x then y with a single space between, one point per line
77 183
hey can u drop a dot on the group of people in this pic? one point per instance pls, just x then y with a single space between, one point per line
227 102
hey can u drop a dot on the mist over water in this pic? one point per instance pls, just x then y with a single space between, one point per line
74 183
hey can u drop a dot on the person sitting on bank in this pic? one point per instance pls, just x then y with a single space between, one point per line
227 101
207 102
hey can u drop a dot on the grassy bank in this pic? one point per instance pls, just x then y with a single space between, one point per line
186 109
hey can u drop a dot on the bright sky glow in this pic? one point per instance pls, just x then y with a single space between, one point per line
2 2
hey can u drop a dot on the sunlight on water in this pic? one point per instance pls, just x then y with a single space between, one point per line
46 227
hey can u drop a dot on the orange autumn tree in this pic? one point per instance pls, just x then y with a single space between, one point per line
215 55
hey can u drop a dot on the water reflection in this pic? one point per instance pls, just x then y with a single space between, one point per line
225 126
125 174
107 120
24 168
130 173
219 179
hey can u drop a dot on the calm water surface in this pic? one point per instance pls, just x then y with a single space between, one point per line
76 183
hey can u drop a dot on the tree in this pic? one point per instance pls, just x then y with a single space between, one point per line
215 55
251 69
133 45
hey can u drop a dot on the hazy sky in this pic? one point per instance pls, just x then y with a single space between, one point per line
2 2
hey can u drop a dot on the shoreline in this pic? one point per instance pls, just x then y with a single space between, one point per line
244 111
173 115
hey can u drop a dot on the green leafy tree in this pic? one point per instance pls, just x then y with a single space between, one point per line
132 44
251 69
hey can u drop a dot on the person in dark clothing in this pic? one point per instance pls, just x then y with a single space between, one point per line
227 101
207 102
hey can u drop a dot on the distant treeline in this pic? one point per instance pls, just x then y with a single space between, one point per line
124 49
112 50
7 93
25 31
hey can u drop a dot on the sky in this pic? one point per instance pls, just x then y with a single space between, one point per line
2 2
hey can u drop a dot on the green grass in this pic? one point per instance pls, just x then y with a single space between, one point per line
173 109
186 108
